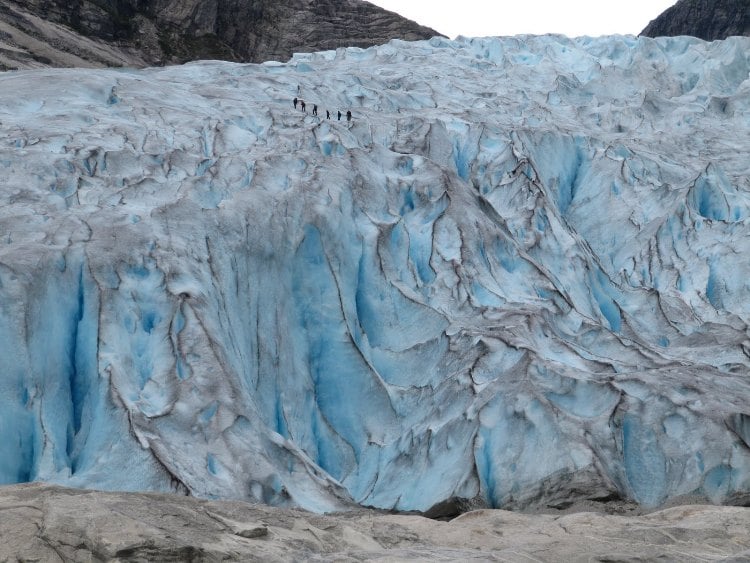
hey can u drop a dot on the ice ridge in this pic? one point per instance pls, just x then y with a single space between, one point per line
517 278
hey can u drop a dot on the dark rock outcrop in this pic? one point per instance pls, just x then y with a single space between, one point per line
36 33
706 19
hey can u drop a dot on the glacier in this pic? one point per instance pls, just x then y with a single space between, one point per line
519 277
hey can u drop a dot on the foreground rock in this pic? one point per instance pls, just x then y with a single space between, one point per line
47 523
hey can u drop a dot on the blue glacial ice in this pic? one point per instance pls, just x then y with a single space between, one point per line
518 278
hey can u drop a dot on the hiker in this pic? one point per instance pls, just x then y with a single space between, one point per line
328 114
348 115
315 109
339 115
302 103
295 103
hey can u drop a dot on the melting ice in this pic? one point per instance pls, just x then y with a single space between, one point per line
519 277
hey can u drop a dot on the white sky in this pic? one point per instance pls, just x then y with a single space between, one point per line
478 18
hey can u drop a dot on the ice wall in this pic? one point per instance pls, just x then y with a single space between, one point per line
518 277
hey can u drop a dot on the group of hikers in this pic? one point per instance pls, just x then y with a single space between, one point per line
303 107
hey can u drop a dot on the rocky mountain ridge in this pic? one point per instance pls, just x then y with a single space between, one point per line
86 33
706 19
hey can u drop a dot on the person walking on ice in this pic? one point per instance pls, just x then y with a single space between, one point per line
295 103
302 103
315 109
348 115
339 115
328 114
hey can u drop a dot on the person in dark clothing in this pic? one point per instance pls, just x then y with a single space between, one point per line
348 115
302 103
295 103
315 109
339 115
328 114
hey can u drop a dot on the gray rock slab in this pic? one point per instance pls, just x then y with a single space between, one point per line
40 522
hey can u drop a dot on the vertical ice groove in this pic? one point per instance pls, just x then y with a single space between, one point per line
486 470
337 366
644 462
19 426
177 325
350 334
739 423
77 383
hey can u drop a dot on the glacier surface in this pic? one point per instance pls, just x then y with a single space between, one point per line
518 277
